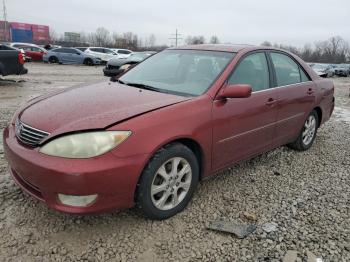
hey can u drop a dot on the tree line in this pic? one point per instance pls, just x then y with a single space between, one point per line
102 37
332 50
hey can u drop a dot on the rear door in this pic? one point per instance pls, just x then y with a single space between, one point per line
35 53
243 127
296 94
75 56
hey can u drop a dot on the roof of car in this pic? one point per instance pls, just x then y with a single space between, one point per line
217 47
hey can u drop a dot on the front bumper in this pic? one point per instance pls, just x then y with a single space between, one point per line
97 61
43 177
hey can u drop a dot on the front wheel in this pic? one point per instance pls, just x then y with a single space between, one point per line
307 134
168 182
53 59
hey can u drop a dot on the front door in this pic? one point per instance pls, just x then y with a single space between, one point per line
243 127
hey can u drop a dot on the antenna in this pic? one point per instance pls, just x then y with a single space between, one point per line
5 19
176 38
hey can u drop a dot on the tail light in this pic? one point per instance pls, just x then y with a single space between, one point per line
21 58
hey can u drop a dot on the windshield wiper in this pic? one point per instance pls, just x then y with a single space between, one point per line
146 87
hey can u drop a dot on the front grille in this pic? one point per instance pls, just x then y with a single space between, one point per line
29 135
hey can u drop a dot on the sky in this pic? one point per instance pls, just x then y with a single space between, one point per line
291 22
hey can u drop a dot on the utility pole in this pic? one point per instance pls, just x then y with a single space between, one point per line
176 37
5 19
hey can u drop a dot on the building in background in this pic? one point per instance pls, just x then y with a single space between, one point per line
71 37
25 33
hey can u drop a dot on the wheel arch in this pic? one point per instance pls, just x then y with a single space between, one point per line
191 143
319 114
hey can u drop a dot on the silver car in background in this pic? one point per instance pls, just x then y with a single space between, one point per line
323 70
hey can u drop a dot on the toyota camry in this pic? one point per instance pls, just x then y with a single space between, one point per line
149 137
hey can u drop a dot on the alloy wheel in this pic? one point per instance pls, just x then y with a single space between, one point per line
171 183
309 130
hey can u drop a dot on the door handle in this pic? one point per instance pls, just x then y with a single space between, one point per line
271 102
310 91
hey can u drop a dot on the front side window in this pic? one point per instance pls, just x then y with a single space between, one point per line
252 70
35 49
98 50
183 72
287 71
124 52
107 51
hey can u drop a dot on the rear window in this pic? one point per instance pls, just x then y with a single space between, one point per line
98 50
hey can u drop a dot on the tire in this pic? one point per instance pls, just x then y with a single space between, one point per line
53 59
159 184
307 134
88 62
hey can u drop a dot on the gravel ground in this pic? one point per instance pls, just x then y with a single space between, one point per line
306 194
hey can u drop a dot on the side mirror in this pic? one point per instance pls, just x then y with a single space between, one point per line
77 53
236 91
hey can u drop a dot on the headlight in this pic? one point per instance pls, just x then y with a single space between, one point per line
125 67
85 145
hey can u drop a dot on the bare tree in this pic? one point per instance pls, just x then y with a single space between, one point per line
266 43
214 40
101 37
151 41
195 40
53 36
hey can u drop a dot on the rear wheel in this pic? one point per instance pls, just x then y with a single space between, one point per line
53 59
168 182
88 62
307 134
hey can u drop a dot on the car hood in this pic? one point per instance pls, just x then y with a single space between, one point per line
118 61
95 106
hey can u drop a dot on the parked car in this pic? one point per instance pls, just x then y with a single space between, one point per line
123 53
66 55
114 65
323 70
103 53
169 122
342 70
32 52
11 61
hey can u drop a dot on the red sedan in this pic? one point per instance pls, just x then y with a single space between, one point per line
148 138
33 52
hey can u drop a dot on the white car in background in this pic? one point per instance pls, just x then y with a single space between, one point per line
100 52
123 53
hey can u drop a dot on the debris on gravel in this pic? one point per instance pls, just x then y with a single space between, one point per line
291 256
269 227
240 230
308 199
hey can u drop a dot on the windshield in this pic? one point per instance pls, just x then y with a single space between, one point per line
189 72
